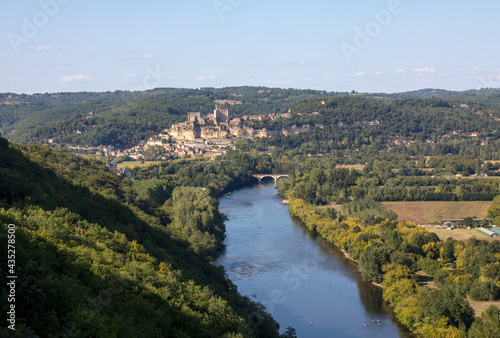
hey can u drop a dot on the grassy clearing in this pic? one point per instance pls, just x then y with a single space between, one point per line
460 234
131 164
433 212
230 102
322 208
425 280
357 167
480 307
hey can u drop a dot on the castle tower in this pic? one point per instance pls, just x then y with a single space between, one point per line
193 117
221 115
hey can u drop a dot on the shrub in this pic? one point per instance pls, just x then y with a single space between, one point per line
428 265
441 278
484 291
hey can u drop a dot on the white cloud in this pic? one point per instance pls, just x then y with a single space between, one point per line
215 77
424 70
379 73
144 56
492 81
76 78
288 82
474 70
309 62
360 74
128 78
204 78
41 48
399 70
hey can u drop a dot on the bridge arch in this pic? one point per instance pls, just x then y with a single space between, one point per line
274 177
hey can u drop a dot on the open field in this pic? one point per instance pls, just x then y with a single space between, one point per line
480 307
353 166
131 164
460 234
337 207
230 102
425 280
433 212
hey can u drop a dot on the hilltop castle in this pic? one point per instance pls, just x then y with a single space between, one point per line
216 126
219 116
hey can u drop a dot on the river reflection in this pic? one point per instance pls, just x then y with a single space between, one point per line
299 278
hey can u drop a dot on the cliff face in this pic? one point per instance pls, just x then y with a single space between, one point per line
214 132
185 131
191 131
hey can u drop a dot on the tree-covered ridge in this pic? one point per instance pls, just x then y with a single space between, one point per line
93 258
321 181
123 119
226 173
347 125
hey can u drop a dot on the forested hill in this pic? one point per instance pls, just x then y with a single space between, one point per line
123 119
357 126
92 258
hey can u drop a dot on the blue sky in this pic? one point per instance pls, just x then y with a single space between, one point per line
368 46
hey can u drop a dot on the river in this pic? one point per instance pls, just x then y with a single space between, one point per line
303 281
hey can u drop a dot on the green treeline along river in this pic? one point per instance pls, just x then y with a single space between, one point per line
302 281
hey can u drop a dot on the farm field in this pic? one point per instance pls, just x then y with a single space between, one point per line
352 166
460 234
433 212
131 164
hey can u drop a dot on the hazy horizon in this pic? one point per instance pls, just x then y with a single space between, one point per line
382 46
237 86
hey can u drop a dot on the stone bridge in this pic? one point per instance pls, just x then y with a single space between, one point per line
274 177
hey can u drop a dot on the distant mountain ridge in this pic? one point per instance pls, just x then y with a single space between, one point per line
123 119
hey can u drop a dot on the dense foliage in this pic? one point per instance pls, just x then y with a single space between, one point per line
320 181
354 126
93 258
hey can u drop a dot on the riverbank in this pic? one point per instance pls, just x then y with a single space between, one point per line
375 247
298 277
346 254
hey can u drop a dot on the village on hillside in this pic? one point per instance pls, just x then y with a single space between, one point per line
203 136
